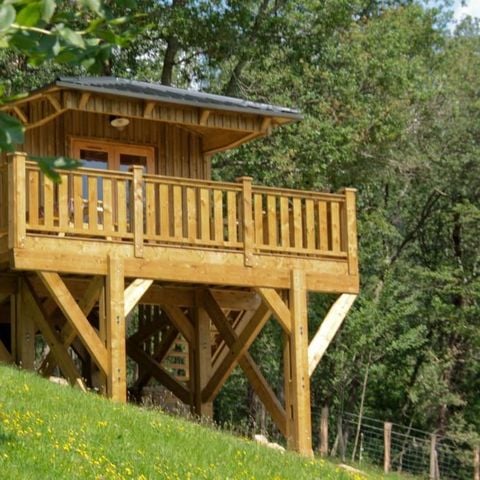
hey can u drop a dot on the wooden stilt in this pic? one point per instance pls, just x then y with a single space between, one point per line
300 436
25 332
115 320
99 379
287 388
13 326
202 366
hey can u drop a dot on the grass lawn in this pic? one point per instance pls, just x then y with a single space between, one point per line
53 432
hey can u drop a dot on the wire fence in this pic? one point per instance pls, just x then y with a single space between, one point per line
410 450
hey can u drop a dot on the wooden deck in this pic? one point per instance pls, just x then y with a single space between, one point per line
176 229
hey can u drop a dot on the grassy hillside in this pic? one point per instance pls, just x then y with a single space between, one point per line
53 432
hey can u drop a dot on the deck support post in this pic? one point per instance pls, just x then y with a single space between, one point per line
24 331
202 350
115 330
299 423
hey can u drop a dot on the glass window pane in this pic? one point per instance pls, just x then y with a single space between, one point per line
127 160
94 158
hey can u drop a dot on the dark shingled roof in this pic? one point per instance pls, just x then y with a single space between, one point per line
154 91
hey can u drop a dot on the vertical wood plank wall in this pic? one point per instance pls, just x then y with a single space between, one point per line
178 152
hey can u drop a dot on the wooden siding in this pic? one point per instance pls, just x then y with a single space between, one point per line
178 152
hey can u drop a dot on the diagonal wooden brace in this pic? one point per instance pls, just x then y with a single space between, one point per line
68 334
134 292
277 306
141 357
160 353
34 308
241 345
76 317
328 329
252 372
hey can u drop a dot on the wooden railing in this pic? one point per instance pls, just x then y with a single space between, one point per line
146 209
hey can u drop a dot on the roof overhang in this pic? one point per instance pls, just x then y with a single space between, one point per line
222 122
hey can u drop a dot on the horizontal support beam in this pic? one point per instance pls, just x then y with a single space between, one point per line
180 296
192 265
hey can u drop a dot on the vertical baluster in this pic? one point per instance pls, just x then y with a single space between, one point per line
322 226
121 185
232 216
48 187
191 213
218 215
259 217
150 209
107 206
335 225
33 181
63 202
272 220
284 222
78 201
178 211
92 204
297 223
164 211
204 214
310 224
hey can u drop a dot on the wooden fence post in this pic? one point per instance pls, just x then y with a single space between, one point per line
433 457
16 200
137 201
324 432
387 446
476 463
247 219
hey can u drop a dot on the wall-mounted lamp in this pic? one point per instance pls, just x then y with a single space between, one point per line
119 122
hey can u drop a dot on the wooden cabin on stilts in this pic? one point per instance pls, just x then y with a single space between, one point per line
142 225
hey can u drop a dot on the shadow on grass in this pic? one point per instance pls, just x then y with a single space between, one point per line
6 437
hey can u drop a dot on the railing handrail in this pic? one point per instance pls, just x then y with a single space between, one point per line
298 193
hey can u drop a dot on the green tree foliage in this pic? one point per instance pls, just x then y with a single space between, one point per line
34 32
